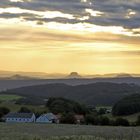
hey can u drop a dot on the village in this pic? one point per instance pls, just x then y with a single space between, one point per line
31 118
59 110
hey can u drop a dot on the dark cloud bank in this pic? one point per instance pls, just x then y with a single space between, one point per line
115 12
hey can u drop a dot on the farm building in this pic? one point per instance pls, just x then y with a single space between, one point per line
109 110
47 118
79 118
20 117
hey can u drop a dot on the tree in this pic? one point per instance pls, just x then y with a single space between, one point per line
24 110
102 111
4 111
62 105
1 115
68 118
80 109
121 122
138 121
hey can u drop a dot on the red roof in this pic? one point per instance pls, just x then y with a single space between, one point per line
79 117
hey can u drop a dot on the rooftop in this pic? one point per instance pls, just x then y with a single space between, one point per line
19 115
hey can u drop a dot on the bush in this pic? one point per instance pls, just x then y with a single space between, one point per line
91 119
104 121
121 122
112 122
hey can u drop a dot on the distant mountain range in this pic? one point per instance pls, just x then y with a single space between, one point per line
10 80
41 75
17 77
31 75
16 81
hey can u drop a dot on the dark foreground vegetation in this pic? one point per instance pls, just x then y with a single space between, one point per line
62 105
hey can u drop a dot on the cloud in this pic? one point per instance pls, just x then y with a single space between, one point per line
23 15
97 12
29 35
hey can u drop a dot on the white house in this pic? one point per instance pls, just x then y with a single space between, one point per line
20 117
47 118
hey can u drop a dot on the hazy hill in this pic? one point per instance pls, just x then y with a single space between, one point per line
10 83
5 74
18 77
44 75
92 94
40 75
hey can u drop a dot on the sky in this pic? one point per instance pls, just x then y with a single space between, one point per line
61 36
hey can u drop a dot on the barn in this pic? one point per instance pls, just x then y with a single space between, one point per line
47 118
20 117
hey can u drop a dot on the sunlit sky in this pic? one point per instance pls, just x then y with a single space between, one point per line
61 36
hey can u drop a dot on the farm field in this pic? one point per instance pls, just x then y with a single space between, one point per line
4 97
66 132
15 107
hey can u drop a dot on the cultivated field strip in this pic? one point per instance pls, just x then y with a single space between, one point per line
66 132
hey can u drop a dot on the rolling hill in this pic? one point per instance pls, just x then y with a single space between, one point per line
101 93
128 105
10 83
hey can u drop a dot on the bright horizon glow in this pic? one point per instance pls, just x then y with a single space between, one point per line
41 36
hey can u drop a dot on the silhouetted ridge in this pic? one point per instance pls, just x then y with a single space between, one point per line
92 94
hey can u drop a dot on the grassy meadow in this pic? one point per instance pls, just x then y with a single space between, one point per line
66 132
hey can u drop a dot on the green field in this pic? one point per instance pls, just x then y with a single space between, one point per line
4 97
72 132
98 107
15 107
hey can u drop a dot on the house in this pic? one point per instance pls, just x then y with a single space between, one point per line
59 116
109 110
47 118
20 117
79 118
